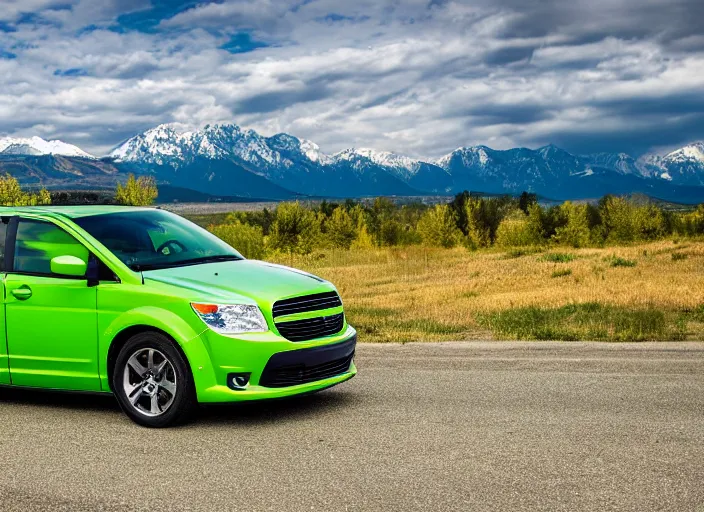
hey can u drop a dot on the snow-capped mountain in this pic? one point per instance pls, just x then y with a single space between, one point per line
227 160
404 166
167 145
38 146
683 166
512 170
693 153
287 161
300 166
555 173
619 162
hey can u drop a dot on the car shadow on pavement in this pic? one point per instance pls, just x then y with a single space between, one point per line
61 399
242 413
277 410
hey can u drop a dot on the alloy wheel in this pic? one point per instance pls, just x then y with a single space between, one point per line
149 382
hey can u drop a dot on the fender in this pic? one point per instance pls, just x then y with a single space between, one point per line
188 339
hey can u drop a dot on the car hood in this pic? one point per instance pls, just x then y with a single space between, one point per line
263 283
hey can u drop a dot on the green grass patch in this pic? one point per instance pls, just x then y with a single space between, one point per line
429 326
617 261
559 257
587 321
562 273
669 250
386 324
693 315
678 256
520 252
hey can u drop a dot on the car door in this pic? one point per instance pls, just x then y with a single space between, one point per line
51 320
4 363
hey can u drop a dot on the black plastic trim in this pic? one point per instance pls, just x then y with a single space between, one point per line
10 239
308 364
314 302
311 328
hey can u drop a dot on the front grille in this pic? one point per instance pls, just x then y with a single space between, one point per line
305 303
311 328
308 365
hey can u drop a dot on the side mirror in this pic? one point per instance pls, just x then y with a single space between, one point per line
68 266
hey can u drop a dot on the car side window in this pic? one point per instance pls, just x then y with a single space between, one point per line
38 242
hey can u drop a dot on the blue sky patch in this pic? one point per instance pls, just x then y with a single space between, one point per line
6 27
242 42
71 72
338 18
147 20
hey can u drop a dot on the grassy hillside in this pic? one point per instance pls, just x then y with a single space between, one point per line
651 291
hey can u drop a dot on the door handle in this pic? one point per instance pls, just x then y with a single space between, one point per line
22 293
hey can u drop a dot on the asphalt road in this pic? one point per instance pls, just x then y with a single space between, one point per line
475 426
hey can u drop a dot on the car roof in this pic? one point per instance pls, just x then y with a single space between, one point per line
72 212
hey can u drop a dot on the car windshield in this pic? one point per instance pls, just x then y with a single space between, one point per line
154 239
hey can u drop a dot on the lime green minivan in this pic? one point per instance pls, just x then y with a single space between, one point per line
144 304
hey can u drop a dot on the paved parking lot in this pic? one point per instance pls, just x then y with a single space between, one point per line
503 426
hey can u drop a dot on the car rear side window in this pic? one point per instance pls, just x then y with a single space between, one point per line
38 242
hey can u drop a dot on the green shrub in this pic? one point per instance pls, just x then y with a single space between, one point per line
438 228
517 230
627 221
340 228
295 229
479 217
678 256
477 232
363 240
137 192
559 257
248 240
562 273
520 252
616 261
575 232
11 194
263 218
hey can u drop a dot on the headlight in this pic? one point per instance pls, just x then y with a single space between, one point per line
231 318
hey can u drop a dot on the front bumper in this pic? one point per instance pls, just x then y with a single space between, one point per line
278 367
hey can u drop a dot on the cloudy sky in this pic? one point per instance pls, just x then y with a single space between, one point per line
419 77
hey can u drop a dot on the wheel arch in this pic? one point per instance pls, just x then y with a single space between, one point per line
122 337
185 338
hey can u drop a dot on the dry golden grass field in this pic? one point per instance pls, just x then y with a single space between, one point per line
645 292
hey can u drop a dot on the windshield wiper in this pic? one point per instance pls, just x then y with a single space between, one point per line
139 267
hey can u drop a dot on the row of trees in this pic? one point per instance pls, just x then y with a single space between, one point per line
140 191
469 221
506 222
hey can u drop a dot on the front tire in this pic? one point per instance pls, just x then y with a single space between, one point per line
153 382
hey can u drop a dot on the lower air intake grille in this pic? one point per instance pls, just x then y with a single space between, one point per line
311 328
308 365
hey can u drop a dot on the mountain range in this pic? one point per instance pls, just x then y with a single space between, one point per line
227 160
